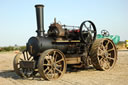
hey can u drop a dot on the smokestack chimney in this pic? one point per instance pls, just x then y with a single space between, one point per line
40 20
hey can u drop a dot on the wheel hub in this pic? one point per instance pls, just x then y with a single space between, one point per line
104 52
53 65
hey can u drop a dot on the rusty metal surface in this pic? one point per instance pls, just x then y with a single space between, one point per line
49 54
52 64
103 54
27 64
20 68
56 27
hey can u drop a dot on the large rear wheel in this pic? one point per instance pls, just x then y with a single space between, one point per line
52 64
103 54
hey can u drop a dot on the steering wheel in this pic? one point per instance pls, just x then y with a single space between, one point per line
105 33
87 32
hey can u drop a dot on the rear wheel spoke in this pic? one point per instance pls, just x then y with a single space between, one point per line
46 69
46 64
51 60
54 53
107 64
58 65
106 46
54 73
110 58
112 49
58 70
59 60
49 71
104 58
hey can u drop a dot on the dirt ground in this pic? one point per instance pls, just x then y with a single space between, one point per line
117 76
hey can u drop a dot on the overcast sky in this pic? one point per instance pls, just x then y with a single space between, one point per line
18 19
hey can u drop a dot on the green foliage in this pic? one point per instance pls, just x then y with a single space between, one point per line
12 48
121 45
22 48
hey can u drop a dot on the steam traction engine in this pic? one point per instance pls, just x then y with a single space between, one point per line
49 54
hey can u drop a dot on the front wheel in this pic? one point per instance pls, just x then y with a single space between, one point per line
52 64
19 65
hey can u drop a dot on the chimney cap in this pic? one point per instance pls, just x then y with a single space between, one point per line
39 5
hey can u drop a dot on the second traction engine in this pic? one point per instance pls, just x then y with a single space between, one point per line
49 54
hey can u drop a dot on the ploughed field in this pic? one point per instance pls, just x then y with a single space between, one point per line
117 76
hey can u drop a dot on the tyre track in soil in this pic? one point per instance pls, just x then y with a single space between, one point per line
117 76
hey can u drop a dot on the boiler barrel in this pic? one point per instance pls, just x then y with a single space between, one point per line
37 45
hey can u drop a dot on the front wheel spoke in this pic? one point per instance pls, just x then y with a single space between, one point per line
21 59
29 57
24 56
18 64
60 60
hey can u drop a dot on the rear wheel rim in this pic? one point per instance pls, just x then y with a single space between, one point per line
105 56
52 66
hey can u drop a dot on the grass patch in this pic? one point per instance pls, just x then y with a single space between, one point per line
121 45
12 48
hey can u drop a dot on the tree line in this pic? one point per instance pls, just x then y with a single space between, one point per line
12 48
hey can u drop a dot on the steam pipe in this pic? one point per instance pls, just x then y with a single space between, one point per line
40 20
